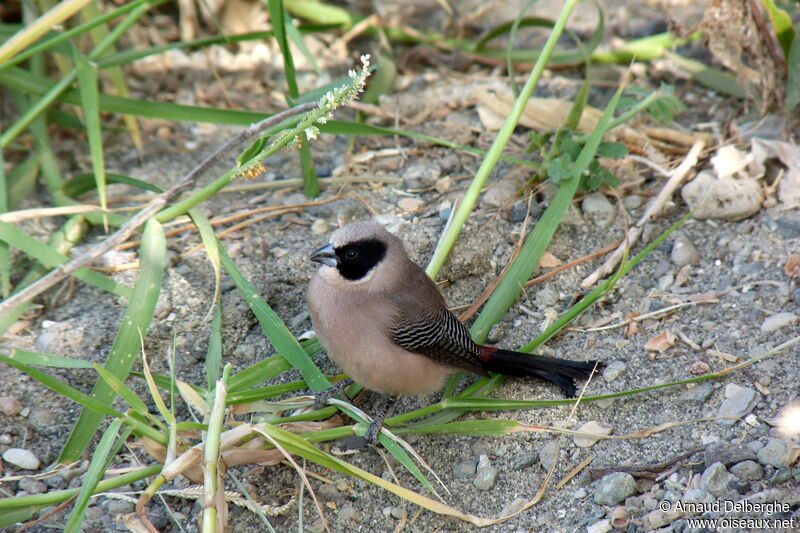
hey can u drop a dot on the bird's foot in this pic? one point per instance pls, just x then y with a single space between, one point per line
321 398
374 428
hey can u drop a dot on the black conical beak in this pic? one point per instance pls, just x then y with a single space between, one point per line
325 256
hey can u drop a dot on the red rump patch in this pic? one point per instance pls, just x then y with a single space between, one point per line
486 353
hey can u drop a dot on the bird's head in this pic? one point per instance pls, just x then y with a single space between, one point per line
357 253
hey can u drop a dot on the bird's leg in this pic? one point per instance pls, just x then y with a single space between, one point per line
374 428
321 398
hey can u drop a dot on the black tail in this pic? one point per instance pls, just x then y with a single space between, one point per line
562 372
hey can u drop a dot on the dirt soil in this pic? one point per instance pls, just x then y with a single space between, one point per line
738 271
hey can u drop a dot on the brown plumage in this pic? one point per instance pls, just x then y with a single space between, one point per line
385 323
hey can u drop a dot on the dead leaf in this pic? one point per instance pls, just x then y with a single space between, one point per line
792 266
661 342
548 260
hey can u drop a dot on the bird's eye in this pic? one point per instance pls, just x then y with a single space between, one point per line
351 254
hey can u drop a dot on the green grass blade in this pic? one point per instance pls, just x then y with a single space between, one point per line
94 474
63 389
127 343
51 258
87 79
275 330
48 360
539 239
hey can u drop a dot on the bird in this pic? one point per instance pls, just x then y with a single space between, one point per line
384 322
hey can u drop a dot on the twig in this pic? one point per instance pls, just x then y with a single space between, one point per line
655 206
648 470
151 208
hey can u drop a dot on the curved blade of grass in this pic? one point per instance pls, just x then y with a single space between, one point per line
459 217
126 346
538 240
51 258
275 330
122 390
97 469
87 80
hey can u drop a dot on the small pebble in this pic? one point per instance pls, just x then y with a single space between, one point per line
738 405
614 369
513 506
633 201
32 486
657 519
349 513
10 406
396 512
749 470
603 526
726 453
464 469
715 479
278 252
485 474
697 495
774 453
614 488
778 321
320 226
21 458
781 475
697 394
684 252
594 428
665 281
548 454
598 208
